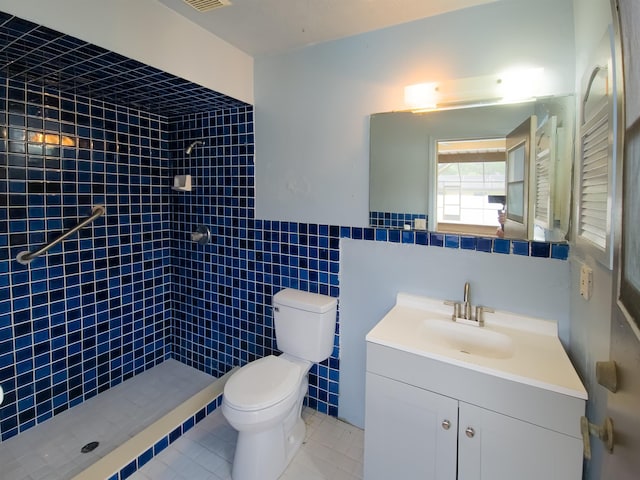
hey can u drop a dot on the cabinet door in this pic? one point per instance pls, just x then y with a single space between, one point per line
504 448
406 434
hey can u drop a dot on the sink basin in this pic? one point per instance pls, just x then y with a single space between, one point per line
509 346
468 339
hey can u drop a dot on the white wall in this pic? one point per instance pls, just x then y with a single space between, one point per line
151 33
372 273
313 104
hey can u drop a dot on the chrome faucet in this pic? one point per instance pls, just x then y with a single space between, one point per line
467 303
462 311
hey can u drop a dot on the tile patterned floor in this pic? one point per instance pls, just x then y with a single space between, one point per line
332 450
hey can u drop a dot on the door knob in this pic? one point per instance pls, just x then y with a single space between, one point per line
446 424
470 432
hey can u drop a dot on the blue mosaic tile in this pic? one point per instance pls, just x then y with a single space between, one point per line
145 457
394 236
484 244
540 249
128 470
452 241
381 234
436 239
408 236
175 434
502 245
369 234
422 238
188 425
560 251
160 445
468 243
520 247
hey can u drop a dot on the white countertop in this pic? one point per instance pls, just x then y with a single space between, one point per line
537 357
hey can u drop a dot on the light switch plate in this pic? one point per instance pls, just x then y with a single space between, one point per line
586 282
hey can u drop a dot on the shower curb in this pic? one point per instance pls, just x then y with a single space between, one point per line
133 454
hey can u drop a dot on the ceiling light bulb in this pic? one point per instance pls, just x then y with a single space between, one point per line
421 95
519 84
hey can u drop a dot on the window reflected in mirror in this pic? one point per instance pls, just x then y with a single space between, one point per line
470 175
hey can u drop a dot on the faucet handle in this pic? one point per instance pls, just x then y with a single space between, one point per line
480 310
456 308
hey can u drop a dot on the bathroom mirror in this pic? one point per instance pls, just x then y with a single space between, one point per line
456 170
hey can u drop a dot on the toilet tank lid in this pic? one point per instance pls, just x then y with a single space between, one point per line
310 302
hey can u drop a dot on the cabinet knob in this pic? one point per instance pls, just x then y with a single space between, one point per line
446 424
470 432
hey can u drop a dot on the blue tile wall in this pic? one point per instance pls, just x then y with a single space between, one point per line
95 310
394 219
223 291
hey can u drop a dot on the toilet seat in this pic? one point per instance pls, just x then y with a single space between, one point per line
263 383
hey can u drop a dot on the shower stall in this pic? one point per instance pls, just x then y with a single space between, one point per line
97 307
128 310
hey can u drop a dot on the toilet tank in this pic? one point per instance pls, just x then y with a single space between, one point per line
305 323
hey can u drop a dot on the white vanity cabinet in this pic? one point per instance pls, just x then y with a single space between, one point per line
409 432
495 446
428 420
450 401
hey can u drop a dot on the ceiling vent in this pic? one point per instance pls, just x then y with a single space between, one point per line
206 5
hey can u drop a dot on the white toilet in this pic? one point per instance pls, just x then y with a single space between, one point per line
263 399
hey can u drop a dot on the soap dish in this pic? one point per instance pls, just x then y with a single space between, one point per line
182 183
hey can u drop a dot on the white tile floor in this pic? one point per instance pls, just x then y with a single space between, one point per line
332 450
51 451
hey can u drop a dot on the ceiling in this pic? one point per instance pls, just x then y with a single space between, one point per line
263 27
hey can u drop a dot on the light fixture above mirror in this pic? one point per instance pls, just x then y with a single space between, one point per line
511 86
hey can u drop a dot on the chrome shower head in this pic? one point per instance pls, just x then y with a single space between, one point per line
192 145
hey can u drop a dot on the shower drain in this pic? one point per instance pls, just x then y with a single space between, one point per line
90 447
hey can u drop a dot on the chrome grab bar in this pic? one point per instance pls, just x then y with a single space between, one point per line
25 256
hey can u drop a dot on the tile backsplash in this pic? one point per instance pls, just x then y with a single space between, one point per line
396 219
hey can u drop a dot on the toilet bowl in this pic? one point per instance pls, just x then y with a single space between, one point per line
270 428
263 399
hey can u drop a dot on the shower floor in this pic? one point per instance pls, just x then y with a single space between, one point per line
51 451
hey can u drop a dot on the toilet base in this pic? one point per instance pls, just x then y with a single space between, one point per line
265 455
